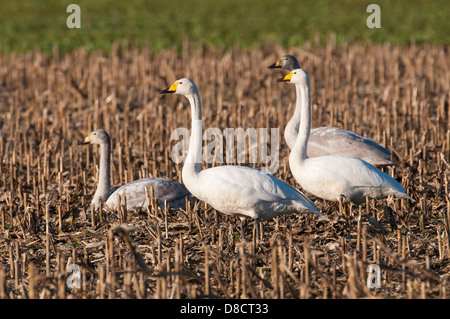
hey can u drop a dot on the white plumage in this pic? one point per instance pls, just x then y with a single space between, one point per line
332 140
135 192
234 190
247 192
330 177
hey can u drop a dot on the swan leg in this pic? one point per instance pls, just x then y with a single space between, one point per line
257 230
342 206
243 223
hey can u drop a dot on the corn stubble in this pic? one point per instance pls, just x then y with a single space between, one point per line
398 96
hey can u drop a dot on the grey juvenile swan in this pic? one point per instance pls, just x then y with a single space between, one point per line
174 193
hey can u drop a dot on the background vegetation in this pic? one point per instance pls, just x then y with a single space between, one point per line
27 24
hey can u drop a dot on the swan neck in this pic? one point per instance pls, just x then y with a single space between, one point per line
304 103
104 176
192 165
291 130
298 105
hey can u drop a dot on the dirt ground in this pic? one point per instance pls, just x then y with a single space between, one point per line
398 96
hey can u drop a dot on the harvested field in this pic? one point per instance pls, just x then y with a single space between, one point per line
396 95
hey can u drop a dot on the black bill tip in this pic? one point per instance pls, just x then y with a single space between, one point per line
165 91
274 66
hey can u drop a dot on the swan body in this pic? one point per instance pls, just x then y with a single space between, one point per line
135 192
163 189
234 190
248 193
330 177
332 140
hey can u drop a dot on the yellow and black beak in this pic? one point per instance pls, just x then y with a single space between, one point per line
287 78
276 65
87 140
171 89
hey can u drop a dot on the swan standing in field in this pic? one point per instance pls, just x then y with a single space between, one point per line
174 193
330 177
332 140
234 190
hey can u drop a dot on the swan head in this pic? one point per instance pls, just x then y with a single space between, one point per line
286 62
183 86
97 137
296 76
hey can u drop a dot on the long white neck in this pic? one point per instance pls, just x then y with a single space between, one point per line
298 153
291 130
192 164
104 176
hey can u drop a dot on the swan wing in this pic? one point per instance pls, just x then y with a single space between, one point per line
246 191
331 176
135 193
338 141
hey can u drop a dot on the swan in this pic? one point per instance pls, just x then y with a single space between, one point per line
234 190
135 192
287 61
330 177
332 140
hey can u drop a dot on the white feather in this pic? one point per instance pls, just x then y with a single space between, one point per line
332 140
234 190
330 177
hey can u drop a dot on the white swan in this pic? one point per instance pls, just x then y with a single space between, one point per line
234 190
332 140
174 193
330 177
